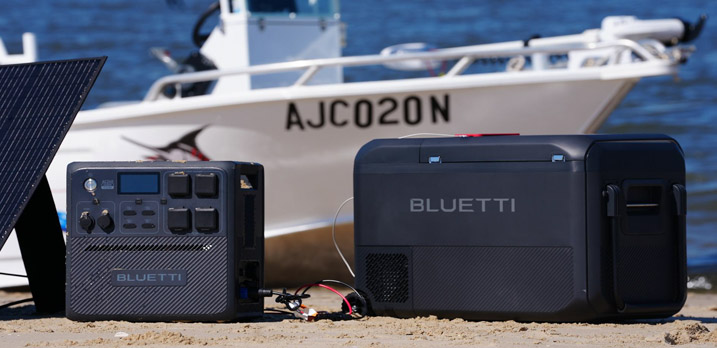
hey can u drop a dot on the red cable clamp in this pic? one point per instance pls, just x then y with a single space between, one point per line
475 135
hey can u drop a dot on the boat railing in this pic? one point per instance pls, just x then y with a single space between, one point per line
465 56
28 55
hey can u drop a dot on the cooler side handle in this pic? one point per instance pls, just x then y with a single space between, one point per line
616 209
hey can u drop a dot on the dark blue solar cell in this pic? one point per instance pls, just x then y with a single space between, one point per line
38 102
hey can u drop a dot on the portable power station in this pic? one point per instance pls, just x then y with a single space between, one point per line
164 241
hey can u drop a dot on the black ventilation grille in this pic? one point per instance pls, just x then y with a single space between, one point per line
149 247
249 220
387 277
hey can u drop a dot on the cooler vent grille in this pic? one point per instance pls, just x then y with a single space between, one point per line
387 277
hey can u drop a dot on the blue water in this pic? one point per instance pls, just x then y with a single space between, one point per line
686 110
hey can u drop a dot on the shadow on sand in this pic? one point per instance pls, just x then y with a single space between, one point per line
703 320
27 312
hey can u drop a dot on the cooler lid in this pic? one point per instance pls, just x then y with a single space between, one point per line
509 148
535 148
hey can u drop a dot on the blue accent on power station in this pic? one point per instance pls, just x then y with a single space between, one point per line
63 219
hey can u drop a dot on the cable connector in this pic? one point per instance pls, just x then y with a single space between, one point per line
292 302
305 313
264 293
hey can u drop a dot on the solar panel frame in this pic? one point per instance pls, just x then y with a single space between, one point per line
38 103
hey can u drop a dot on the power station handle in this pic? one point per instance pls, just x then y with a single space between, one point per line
616 208
680 194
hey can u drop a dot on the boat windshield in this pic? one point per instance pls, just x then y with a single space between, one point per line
299 8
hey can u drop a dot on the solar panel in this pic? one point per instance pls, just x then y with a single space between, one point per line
38 102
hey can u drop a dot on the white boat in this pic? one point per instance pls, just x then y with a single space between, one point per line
267 86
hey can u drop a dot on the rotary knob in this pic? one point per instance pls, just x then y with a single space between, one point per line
105 221
86 221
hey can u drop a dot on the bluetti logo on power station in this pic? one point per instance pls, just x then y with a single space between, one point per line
149 277
462 205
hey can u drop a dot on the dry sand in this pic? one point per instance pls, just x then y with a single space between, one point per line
694 326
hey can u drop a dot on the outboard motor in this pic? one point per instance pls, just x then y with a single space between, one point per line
667 31
194 62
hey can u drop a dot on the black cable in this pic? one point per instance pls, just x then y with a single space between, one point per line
10 304
13 275
282 297
333 281
279 311
361 298
292 301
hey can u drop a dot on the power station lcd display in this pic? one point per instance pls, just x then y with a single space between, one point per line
138 183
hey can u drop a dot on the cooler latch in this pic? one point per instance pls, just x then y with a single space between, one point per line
680 193
615 201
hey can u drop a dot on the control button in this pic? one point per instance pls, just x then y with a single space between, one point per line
129 213
205 219
148 212
205 185
179 220
129 226
90 185
87 223
105 221
138 201
148 226
179 185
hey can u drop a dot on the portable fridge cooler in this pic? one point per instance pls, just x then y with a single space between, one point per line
530 228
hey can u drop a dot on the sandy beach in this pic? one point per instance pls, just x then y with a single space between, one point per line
694 326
